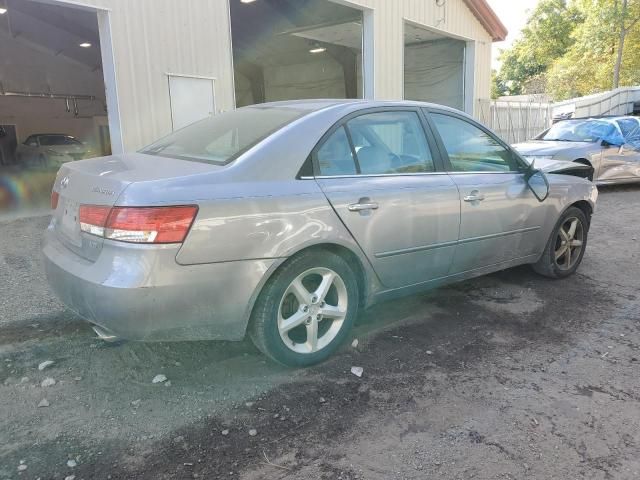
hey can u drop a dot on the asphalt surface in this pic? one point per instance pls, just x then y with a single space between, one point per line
506 376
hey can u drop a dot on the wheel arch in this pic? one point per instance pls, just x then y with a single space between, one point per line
363 274
585 207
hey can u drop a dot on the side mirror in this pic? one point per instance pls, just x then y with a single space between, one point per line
539 185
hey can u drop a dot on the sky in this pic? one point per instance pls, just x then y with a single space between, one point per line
513 14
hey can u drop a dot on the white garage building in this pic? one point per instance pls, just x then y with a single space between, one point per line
145 67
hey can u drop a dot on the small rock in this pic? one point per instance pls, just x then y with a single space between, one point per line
354 344
253 432
225 432
22 467
323 400
178 439
45 364
357 371
249 404
276 415
159 379
43 403
136 403
24 380
70 477
168 383
48 382
72 463
77 379
429 352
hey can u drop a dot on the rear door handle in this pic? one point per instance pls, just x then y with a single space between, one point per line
475 196
359 207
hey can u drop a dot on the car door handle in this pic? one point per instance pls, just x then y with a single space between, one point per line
474 197
359 207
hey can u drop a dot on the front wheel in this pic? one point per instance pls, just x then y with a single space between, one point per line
306 309
565 249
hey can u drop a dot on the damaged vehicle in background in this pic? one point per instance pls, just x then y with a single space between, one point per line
284 220
608 147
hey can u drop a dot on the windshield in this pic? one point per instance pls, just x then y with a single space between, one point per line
584 131
57 140
630 128
221 138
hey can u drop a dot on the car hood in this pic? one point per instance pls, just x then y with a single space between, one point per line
557 166
548 147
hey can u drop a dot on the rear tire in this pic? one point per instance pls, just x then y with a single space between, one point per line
566 246
306 309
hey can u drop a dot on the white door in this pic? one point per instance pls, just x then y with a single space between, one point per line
192 99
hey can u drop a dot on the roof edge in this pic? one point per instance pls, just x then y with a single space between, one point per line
488 18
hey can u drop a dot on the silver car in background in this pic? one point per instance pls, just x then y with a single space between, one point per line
610 146
283 220
51 150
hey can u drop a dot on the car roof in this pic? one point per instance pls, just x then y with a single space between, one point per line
312 105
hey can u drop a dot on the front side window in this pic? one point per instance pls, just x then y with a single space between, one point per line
390 142
471 149
221 138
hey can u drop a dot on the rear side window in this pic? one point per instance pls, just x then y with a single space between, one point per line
381 143
471 149
335 156
222 138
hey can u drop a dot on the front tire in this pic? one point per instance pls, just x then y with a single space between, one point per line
566 246
306 310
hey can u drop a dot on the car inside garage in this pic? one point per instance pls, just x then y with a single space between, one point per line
285 49
52 95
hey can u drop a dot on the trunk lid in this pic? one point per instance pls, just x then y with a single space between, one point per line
101 181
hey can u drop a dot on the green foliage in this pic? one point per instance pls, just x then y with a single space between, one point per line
570 49
546 37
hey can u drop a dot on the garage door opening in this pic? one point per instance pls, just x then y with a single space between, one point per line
285 50
52 96
434 67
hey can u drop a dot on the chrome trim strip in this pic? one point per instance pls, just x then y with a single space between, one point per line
416 174
435 246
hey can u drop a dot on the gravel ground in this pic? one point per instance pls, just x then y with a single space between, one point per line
506 376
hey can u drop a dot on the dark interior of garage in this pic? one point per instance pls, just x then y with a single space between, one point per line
286 49
52 95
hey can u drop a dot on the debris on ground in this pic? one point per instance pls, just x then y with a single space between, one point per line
225 432
43 403
323 400
70 477
136 403
22 467
72 463
159 379
357 371
429 352
48 382
45 364
253 432
354 344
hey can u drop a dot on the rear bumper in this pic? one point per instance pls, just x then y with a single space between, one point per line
139 292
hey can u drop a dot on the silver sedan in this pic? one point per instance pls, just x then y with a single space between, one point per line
283 220
609 146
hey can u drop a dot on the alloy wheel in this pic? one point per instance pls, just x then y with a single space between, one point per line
569 242
312 310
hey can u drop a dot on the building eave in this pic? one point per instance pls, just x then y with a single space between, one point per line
488 18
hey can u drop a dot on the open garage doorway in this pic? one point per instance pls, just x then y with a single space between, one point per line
52 96
434 67
295 49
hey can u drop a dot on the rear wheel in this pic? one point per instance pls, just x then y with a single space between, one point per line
565 249
306 309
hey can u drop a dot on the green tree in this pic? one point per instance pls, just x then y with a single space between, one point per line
604 51
545 38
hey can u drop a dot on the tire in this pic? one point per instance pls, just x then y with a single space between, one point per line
284 303
561 260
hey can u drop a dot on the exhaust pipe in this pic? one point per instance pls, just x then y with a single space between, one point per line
104 334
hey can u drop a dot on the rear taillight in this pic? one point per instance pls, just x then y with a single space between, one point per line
138 224
55 196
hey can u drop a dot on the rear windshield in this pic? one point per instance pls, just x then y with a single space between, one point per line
56 140
222 138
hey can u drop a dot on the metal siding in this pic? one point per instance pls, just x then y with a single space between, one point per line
153 37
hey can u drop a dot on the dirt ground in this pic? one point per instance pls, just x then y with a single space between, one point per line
509 376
